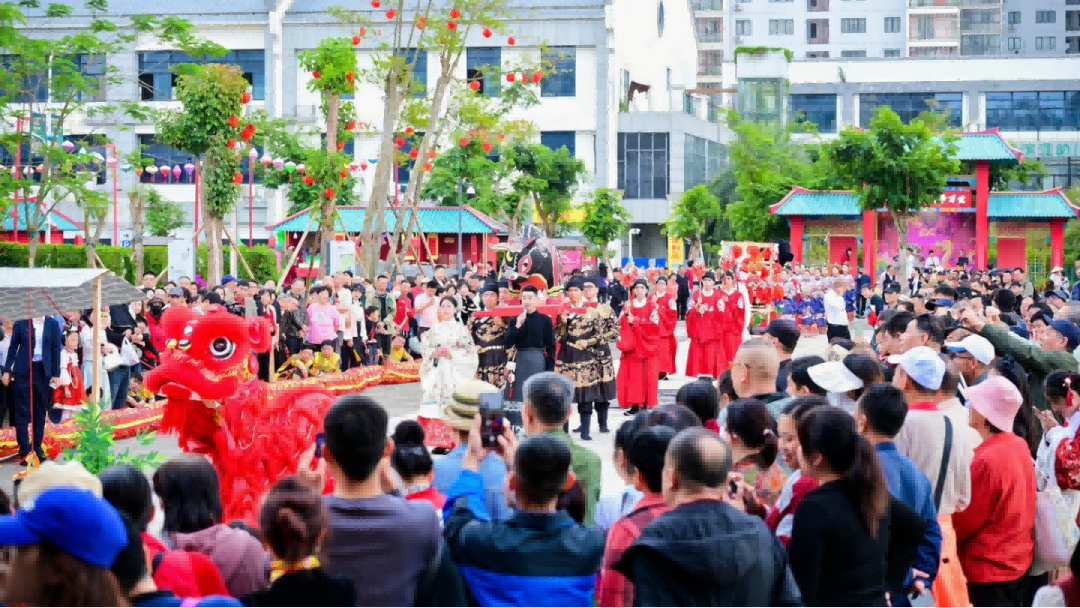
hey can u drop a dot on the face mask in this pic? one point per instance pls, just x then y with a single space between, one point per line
157 308
724 434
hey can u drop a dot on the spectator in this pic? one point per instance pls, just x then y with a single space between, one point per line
800 384
646 455
703 551
547 401
880 415
540 556
850 544
613 506
323 319
413 464
973 355
784 336
427 306
183 573
67 542
191 501
701 398
293 521
753 374
994 534
381 541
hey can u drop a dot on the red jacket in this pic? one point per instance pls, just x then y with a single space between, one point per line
185 573
994 534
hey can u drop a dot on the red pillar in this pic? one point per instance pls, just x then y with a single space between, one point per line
1057 242
473 240
869 242
982 219
796 239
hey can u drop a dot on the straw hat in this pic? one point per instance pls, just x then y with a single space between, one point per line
71 474
460 412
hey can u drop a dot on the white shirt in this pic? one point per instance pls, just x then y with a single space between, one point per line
5 344
39 332
835 309
933 261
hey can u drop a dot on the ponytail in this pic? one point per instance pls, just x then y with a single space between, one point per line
752 421
831 433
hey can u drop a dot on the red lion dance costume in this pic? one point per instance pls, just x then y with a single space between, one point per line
252 431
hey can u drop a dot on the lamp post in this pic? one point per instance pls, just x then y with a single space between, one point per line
460 217
252 155
630 243
112 161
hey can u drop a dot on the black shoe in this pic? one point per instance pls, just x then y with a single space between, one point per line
42 457
604 429
632 410
23 459
586 437
577 430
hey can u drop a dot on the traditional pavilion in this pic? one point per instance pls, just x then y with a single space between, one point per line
959 225
440 225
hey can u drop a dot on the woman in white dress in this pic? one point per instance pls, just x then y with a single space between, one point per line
449 355
86 337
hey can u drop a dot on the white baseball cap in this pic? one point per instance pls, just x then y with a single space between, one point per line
923 365
835 377
976 345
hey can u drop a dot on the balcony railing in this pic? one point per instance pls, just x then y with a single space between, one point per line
710 70
710 36
943 36
708 5
951 3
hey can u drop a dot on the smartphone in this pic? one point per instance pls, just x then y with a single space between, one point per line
491 413
320 441
733 488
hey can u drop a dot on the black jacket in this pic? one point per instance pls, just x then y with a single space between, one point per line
305 588
707 553
683 282
617 296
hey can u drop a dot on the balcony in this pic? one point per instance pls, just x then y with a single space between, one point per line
951 3
937 39
710 36
708 5
710 70
980 28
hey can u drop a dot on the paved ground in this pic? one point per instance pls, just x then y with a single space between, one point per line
403 400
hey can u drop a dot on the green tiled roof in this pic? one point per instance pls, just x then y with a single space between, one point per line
1045 205
985 146
438 220
62 223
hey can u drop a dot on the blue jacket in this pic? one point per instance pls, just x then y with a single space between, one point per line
910 486
532 559
21 348
492 469
1075 291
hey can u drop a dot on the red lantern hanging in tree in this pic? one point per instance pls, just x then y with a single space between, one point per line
345 173
374 3
245 98
390 14
421 21
510 77
399 141
246 135
451 25
363 30
329 193
350 76
464 141
238 177
351 125
427 166
340 146
537 76
355 40
315 74
431 154
414 153
486 147
309 180
409 131
234 121
231 143
487 33
474 85
511 41
454 13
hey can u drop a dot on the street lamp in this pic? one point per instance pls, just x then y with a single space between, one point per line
630 243
461 188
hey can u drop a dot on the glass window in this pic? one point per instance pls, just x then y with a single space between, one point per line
1045 43
853 26
160 155
1045 16
407 163
909 105
701 160
643 167
419 71
761 99
980 44
562 79
781 27
558 139
157 80
35 83
819 109
892 25
482 64
1014 17
1014 43
892 52
1033 111
853 53
743 27
85 71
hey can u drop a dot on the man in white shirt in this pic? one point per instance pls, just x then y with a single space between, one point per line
932 261
426 307
836 312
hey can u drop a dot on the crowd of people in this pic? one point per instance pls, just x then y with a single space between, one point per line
931 462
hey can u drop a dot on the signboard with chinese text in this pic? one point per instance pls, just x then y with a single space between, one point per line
675 251
1048 149
832 228
955 199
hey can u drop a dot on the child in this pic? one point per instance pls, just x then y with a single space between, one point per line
326 361
69 395
299 365
398 351
371 340
138 395
414 465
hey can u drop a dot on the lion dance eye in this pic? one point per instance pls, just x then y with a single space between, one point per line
222 348
525 265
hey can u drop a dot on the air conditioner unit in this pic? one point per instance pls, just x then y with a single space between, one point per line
1012 27
738 39
736 7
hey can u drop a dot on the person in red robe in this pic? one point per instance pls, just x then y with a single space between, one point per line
735 316
639 324
704 326
669 316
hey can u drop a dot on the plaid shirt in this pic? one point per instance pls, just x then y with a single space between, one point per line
612 588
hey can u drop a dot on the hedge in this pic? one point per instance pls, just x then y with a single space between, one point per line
121 260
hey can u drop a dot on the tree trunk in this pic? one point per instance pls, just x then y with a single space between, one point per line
33 229
371 236
695 247
900 223
326 206
137 208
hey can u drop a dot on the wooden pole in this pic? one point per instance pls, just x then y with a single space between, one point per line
240 257
299 246
96 316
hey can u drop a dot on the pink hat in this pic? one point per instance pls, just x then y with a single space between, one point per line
997 400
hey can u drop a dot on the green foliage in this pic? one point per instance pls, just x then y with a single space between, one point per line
605 217
163 217
692 215
335 62
94 444
1003 176
550 179
899 166
761 50
210 94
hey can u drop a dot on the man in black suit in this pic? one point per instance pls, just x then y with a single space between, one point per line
31 368
682 279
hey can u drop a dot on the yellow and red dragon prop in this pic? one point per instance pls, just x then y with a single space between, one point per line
252 431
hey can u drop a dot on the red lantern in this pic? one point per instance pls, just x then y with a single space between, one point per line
487 33
238 178
454 13
778 292
511 41
309 180
246 135
329 193
340 146
363 166
464 141
510 77
351 125
474 85
399 141
736 251
250 128
409 131
350 76
374 3
271 241
363 30
427 166
421 22
355 40
431 154
753 251
766 253
231 143
486 147
414 153
246 97
450 25
765 272
345 173
233 121
537 75
501 136
315 74
390 14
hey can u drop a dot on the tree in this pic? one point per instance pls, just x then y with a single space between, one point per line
207 127
605 219
549 180
52 80
901 167
691 215
766 162
1002 176
163 217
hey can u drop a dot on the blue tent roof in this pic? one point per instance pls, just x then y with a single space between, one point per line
62 222
1042 205
435 220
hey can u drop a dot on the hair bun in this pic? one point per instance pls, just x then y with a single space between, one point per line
408 433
